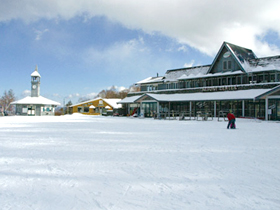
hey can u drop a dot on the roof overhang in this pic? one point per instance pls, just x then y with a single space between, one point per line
40 100
252 94
130 100
269 93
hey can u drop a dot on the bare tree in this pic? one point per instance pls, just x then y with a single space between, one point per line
134 88
113 93
6 100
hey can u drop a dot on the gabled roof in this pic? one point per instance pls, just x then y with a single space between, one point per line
113 102
240 55
36 73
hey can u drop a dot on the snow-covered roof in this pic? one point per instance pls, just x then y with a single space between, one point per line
129 100
35 74
173 75
246 60
150 80
113 102
204 96
262 64
192 76
36 100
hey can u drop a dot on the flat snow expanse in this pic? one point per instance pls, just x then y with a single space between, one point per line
91 163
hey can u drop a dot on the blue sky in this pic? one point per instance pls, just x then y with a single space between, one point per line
84 47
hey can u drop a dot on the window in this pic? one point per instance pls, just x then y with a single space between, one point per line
86 109
278 78
227 65
272 77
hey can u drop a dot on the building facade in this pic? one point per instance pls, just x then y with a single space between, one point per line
35 105
97 106
236 80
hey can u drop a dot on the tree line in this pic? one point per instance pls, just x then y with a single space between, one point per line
112 92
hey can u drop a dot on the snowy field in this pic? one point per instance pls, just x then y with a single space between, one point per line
79 162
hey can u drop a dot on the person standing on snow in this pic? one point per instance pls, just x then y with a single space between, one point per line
231 120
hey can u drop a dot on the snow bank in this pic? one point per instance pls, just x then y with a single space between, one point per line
93 162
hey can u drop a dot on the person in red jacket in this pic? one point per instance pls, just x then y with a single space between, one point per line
231 120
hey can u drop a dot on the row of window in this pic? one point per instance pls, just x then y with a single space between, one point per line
255 109
217 81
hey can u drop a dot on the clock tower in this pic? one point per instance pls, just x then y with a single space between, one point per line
35 83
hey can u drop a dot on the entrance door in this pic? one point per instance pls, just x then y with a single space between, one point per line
31 110
150 108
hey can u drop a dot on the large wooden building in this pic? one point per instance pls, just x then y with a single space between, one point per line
236 80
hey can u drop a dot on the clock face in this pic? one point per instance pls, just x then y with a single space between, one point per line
34 86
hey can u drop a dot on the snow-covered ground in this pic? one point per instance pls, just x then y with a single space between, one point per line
90 163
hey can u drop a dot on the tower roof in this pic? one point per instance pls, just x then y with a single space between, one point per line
36 73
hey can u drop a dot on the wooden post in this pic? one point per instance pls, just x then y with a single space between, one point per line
243 108
215 108
266 108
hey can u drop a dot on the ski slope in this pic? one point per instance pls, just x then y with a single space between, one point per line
78 162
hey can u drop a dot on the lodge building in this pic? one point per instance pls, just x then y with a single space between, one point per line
236 80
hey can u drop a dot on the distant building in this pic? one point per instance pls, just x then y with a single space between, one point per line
97 106
35 105
236 80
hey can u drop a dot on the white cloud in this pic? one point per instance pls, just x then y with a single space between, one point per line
183 48
121 88
39 33
190 64
74 95
26 93
129 53
203 25
118 88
